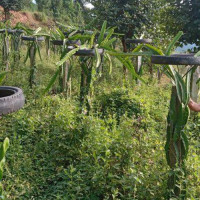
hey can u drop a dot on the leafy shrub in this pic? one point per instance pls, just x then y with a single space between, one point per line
116 104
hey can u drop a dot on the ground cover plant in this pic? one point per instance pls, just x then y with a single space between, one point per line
94 133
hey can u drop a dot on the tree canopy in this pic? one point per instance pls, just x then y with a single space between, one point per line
182 15
15 5
128 16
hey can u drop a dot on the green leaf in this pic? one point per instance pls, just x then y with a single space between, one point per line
110 62
67 56
92 39
109 35
128 64
154 50
2 76
138 48
37 30
79 37
62 36
6 144
185 142
52 81
38 50
107 44
98 57
173 42
4 147
103 30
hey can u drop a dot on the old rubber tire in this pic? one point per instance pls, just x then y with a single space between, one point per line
9 31
29 38
70 42
86 52
11 99
176 59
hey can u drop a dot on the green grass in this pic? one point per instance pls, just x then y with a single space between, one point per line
58 153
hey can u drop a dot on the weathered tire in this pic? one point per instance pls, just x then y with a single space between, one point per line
2 30
9 31
138 41
86 52
176 59
19 31
29 38
61 42
11 99
57 42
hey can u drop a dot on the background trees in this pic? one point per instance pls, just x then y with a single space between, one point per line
43 4
127 16
182 15
10 5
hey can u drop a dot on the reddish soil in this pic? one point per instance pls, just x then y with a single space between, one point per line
32 20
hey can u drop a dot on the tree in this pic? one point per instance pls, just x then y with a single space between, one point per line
57 8
128 16
43 5
9 5
182 15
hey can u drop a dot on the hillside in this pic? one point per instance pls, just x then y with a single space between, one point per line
31 19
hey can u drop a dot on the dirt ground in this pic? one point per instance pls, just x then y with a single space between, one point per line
32 20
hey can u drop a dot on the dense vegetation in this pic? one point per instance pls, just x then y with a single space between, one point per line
115 149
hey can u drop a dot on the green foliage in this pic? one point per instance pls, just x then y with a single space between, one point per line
11 4
3 148
182 15
117 104
56 153
2 76
127 16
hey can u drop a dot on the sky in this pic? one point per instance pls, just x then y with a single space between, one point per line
87 5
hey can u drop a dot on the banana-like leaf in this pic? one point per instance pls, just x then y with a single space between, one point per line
27 30
108 43
155 50
102 33
128 64
138 48
180 86
52 81
37 30
67 56
2 76
28 51
3 149
173 42
168 72
92 39
185 142
79 37
109 35
72 33
98 57
60 33
110 62
38 50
